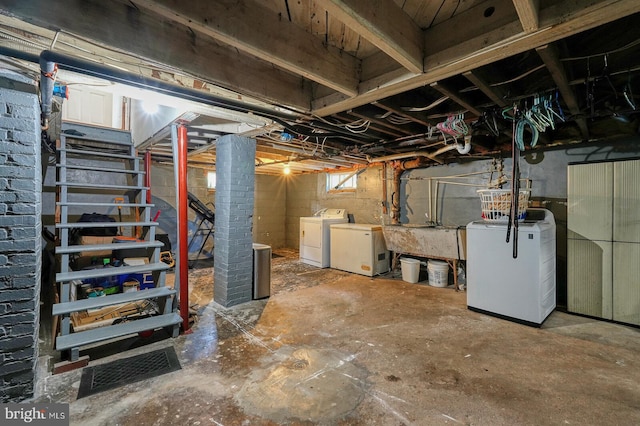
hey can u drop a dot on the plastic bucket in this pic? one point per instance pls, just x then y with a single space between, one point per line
410 269
438 273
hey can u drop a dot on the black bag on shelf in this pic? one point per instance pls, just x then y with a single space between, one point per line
97 232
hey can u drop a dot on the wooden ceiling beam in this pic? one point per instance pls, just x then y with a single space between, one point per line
551 59
385 25
557 21
528 13
494 94
126 29
454 96
256 30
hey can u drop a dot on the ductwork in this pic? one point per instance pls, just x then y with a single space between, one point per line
47 82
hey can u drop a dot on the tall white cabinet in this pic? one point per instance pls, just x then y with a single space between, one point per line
603 247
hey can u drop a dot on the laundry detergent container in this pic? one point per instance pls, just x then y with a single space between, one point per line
410 269
438 271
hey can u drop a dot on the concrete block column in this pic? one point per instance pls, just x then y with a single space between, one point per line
20 236
233 252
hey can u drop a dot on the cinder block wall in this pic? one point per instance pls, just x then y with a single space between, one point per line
269 211
20 240
268 214
306 194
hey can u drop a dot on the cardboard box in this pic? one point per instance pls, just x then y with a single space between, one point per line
86 240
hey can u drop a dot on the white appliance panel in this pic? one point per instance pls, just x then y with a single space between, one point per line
359 248
315 240
522 289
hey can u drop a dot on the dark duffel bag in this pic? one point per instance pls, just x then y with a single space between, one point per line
108 231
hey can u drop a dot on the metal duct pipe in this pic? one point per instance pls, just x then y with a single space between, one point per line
47 82
19 54
93 69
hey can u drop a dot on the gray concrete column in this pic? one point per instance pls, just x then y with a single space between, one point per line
233 252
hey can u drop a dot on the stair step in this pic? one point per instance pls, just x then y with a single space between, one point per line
96 134
105 204
76 340
86 152
112 246
114 299
109 272
99 185
100 169
103 224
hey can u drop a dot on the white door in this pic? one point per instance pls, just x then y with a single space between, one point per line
88 106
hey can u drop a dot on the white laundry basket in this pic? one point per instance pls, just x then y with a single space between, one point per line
410 269
438 273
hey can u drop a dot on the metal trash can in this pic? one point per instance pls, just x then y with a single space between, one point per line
261 271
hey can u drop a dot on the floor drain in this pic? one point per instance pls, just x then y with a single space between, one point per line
127 370
299 364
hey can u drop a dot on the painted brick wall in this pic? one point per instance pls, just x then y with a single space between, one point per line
20 240
233 252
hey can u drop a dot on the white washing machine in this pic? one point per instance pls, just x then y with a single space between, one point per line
315 241
359 248
521 289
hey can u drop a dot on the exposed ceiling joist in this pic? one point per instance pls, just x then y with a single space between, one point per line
492 93
278 41
528 13
556 22
456 98
550 57
144 35
386 26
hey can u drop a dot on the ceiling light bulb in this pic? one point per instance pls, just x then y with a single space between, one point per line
150 107
287 170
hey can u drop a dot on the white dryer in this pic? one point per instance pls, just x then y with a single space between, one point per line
315 239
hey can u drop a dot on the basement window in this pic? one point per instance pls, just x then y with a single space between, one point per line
342 182
211 181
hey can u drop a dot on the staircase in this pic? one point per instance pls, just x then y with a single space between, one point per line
88 160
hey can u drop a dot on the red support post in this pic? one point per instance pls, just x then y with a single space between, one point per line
183 227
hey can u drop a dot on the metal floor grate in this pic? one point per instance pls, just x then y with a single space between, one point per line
128 370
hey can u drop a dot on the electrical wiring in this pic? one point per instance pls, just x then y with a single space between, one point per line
620 49
428 107
394 119
531 71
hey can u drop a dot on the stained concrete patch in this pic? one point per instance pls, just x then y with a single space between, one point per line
318 385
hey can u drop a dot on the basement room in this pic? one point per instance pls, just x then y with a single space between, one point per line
320 212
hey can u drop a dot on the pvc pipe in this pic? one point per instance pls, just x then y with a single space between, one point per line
467 145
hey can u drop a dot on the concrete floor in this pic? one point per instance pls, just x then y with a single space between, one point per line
333 348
